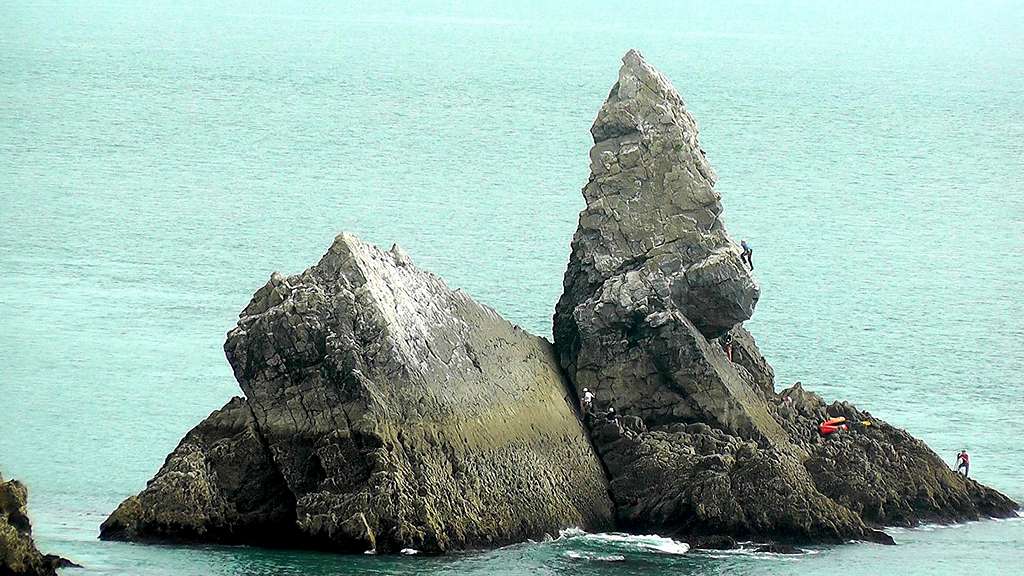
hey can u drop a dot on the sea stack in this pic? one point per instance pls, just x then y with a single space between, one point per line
383 411
705 446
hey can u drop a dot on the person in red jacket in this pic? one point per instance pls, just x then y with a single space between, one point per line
832 425
963 462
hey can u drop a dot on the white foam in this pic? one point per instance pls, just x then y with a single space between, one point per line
410 551
597 557
649 542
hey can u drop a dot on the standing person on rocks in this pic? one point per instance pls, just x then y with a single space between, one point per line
963 462
727 345
587 406
747 255
587 401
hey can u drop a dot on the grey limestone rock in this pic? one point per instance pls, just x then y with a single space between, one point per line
653 291
219 485
881 472
383 411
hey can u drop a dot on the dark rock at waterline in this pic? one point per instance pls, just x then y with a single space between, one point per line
655 293
383 411
776 548
219 485
712 542
18 553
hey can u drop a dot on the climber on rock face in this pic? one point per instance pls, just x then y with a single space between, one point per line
747 255
587 401
727 345
963 462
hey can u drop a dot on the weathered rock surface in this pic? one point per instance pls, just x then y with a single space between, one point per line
881 472
18 553
383 411
653 282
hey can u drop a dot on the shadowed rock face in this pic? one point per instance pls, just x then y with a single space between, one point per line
382 411
18 553
653 280
219 485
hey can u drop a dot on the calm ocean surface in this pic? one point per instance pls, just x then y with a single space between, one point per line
158 161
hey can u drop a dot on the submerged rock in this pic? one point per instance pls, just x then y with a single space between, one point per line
653 291
383 411
18 553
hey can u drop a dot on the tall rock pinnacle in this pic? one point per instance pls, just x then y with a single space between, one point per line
704 446
652 265
652 209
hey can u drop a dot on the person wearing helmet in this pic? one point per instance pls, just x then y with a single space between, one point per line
587 402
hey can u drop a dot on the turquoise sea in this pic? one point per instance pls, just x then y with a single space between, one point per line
158 160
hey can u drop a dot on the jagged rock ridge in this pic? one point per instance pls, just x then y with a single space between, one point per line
653 281
383 411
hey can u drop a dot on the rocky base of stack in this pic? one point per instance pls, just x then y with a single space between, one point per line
650 321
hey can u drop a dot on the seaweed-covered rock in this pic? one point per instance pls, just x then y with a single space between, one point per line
383 411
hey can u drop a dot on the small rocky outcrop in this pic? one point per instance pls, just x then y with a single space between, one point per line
18 553
653 290
881 472
383 411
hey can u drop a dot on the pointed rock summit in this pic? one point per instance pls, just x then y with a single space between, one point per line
655 294
653 276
